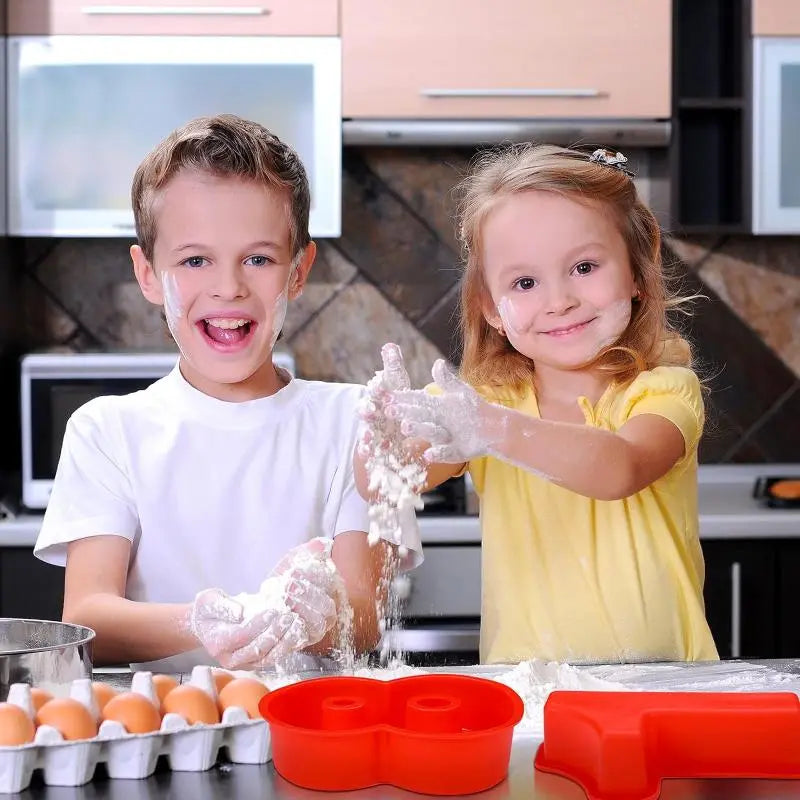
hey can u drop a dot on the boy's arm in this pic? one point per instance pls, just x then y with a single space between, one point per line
94 589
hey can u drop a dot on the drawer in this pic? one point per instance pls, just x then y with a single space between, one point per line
175 17
448 583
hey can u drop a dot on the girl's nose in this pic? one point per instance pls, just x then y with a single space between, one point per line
560 299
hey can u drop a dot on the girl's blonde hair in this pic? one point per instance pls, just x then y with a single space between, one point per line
649 340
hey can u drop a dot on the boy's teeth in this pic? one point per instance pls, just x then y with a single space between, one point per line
228 324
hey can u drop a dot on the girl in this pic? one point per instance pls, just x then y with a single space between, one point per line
578 417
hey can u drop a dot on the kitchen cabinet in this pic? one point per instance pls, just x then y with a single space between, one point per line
740 595
787 598
506 59
776 18
29 588
177 17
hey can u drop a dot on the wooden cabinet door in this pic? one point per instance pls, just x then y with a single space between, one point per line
29 588
740 594
507 58
776 18
175 17
789 599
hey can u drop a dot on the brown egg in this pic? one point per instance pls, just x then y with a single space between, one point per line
245 693
163 685
193 704
134 711
16 727
102 694
221 679
39 697
69 717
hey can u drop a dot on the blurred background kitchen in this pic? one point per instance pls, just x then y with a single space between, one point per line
386 103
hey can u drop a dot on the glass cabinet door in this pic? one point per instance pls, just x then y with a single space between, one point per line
776 135
84 111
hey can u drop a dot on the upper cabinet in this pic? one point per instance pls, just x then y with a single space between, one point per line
177 17
507 58
776 18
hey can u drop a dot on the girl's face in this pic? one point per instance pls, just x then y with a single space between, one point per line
559 277
222 270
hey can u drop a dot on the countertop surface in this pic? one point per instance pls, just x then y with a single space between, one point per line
243 782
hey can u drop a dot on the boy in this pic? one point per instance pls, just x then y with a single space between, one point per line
208 477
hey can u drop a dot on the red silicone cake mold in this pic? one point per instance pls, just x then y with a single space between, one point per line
620 745
434 734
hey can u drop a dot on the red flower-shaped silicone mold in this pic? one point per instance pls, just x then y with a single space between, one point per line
619 745
434 734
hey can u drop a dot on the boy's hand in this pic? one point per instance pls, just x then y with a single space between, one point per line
239 639
459 424
311 586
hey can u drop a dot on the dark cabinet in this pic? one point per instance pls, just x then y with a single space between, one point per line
740 595
28 587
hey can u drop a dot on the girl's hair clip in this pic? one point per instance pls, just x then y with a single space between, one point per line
608 159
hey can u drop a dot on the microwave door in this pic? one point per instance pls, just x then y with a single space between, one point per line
85 110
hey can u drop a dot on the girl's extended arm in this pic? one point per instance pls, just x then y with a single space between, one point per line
590 461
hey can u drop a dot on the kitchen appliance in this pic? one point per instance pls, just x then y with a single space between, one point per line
776 147
84 110
53 385
43 653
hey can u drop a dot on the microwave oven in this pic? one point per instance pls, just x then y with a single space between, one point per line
54 385
83 111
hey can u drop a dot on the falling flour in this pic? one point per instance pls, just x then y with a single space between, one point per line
395 479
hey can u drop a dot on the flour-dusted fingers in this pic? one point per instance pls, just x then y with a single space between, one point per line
293 641
426 431
444 454
256 651
314 605
394 369
447 380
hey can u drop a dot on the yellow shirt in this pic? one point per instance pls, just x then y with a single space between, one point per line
569 578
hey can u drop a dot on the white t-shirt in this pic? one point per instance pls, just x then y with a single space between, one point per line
209 493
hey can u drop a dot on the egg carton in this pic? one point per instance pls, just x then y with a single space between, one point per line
188 748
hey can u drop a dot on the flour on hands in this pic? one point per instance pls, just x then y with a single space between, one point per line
396 476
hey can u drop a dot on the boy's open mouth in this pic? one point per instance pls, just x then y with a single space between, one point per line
226 333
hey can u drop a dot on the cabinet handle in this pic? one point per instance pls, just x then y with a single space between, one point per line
736 609
227 11
512 93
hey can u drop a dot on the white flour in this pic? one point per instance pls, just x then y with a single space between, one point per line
395 478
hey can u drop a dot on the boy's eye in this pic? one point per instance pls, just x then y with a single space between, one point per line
584 268
524 283
258 261
193 261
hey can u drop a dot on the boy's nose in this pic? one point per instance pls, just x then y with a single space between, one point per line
228 283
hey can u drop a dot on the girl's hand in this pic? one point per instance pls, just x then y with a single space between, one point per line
459 424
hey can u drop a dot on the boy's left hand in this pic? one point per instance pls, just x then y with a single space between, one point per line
459 424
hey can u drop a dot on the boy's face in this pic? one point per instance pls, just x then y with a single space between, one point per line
222 270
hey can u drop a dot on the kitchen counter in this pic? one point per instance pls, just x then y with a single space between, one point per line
727 511
244 782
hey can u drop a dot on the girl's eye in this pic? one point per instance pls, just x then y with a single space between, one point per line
258 261
524 283
193 261
584 268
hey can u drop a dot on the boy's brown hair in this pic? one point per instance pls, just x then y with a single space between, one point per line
223 145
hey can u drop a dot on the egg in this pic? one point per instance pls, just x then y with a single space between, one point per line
102 693
39 697
221 679
134 711
163 685
16 727
245 693
193 704
69 717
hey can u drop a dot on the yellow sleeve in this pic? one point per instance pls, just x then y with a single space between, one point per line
673 393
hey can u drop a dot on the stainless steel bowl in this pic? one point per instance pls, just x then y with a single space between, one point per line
43 653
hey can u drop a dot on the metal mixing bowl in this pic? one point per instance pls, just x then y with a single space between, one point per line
43 653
